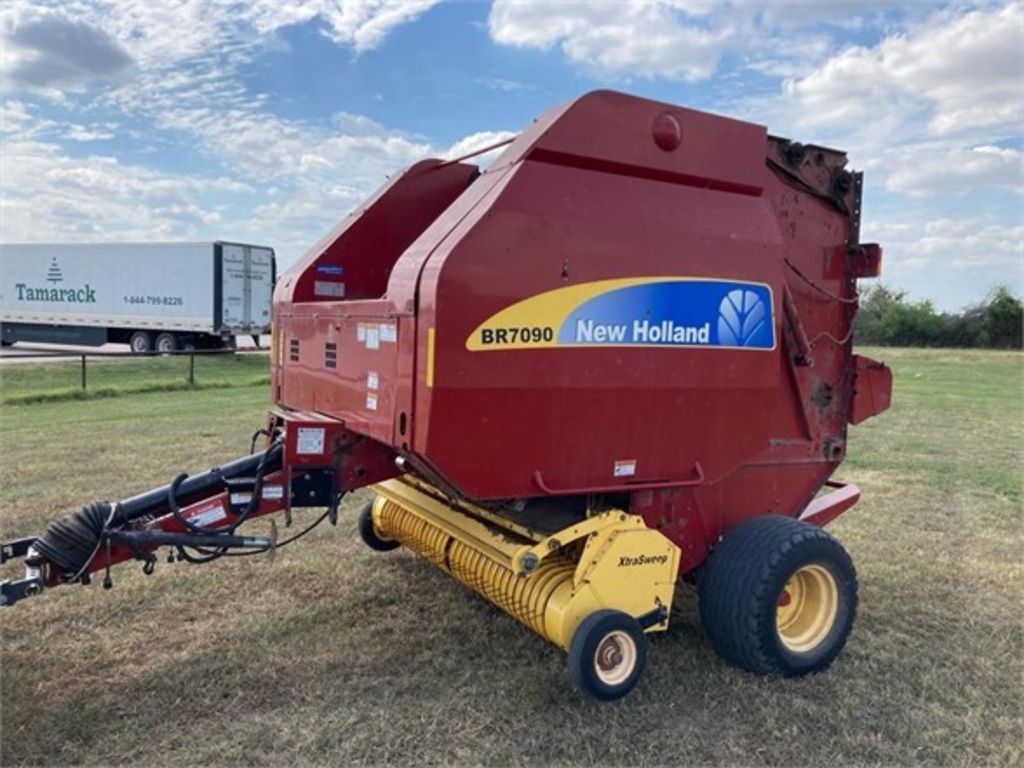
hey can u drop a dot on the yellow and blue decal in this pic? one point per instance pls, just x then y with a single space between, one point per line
636 311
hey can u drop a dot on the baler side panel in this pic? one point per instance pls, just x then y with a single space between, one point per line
341 355
572 413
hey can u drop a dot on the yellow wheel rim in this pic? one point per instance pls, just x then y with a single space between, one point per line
807 608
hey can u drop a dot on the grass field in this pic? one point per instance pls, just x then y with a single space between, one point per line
334 654
30 383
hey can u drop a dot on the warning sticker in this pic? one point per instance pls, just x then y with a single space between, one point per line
310 440
372 337
388 333
361 333
372 380
371 402
208 514
328 288
273 492
625 468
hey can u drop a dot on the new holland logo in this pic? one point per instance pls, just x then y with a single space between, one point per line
48 293
742 317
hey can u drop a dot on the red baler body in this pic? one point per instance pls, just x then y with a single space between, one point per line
446 319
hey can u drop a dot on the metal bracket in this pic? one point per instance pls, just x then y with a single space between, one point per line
528 559
13 591
12 550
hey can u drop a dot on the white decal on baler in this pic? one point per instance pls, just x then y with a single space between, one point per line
207 515
326 288
310 441
625 468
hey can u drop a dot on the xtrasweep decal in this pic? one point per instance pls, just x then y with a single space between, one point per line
641 311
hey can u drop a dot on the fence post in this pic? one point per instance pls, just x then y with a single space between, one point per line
83 372
191 368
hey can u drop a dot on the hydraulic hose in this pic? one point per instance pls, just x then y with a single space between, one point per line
72 541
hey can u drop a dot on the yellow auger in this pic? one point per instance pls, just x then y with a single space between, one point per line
592 588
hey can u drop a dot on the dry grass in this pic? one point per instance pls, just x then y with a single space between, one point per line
335 654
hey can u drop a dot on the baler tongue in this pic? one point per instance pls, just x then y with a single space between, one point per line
102 534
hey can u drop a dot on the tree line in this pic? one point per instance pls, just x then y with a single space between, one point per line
888 318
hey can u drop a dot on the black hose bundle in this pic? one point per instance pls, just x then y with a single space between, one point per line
73 540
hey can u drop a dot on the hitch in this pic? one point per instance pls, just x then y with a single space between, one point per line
198 516
32 583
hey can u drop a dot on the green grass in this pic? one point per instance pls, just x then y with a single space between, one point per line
28 383
335 654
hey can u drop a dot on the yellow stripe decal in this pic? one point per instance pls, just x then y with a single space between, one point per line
430 357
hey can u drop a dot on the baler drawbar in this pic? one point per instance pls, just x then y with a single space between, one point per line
619 356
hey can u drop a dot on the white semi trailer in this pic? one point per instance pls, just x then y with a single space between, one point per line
151 296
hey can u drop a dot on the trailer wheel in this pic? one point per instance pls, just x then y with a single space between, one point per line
778 597
607 655
166 342
368 532
140 342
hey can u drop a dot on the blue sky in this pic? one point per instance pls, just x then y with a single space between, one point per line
267 121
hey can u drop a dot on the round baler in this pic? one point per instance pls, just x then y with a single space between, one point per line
619 356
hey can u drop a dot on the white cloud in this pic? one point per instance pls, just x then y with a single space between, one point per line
927 170
51 196
964 71
476 142
77 132
940 244
14 116
639 37
505 85
684 39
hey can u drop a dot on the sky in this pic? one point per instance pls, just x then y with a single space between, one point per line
267 121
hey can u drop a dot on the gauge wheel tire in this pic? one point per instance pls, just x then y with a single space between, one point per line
778 597
140 342
607 655
166 342
368 532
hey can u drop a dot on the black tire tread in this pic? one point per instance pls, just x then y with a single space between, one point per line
734 591
581 652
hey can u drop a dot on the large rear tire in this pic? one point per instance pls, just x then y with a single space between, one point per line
778 597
